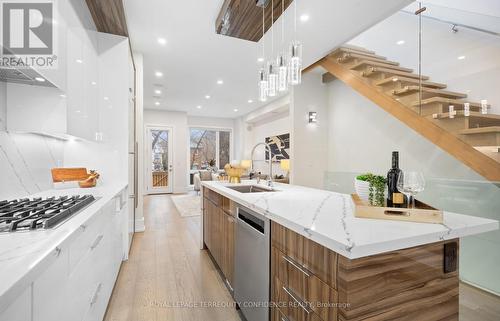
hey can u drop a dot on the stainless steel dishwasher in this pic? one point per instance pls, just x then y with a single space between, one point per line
252 265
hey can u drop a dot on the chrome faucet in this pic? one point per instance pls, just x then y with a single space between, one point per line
270 177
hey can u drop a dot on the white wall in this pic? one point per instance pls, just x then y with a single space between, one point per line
3 106
179 123
211 122
308 141
362 136
477 75
257 133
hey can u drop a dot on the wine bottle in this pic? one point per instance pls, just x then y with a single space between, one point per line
394 197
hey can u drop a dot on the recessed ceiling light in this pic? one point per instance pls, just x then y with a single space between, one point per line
461 57
220 82
158 74
79 61
62 95
260 59
250 101
199 107
235 110
157 103
395 79
162 41
400 42
106 98
207 96
77 111
158 91
39 79
94 83
304 17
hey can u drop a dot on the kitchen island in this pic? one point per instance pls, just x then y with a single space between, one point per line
328 265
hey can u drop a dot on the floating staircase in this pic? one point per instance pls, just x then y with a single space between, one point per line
423 105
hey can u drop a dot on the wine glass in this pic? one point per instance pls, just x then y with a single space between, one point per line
410 184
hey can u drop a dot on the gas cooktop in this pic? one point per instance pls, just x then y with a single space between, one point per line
40 213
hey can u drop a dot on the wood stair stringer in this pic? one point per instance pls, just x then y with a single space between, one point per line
479 162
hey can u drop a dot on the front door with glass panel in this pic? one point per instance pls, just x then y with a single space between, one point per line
159 160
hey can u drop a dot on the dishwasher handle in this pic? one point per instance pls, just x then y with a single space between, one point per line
252 221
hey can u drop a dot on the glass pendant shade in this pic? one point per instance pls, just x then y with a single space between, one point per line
295 63
282 73
262 85
484 106
272 82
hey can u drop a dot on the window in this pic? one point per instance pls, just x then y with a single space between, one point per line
209 147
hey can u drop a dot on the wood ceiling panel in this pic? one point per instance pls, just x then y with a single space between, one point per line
109 16
243 18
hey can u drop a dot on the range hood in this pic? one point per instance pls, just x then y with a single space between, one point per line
24 76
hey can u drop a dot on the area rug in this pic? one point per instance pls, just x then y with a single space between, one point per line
187 205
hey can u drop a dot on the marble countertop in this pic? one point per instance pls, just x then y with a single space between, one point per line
328 219
23 255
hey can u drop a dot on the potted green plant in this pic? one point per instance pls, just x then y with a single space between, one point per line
371 188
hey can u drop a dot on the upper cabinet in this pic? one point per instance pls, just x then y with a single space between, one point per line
91 78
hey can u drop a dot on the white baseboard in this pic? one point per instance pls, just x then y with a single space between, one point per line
139 225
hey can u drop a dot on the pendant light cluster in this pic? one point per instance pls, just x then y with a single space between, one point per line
278 74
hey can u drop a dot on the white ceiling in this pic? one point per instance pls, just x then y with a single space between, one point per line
195 57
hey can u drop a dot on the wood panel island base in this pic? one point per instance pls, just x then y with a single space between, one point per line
310 282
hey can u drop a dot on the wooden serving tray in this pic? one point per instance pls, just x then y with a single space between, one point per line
69 174
422 213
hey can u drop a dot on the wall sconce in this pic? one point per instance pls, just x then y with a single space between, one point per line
313 117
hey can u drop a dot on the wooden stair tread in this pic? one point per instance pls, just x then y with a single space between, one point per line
354 51
380 64
444 100
480 130
412 89
399 73
358 56
429 84
358 48
460 113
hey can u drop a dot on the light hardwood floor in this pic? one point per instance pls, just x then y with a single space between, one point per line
167 267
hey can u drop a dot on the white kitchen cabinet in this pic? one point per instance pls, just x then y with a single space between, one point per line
80 275
20 309
49 289
82 83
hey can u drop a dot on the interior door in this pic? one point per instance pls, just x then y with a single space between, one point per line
159 158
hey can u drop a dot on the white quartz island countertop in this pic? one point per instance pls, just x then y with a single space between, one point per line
328 219
24 254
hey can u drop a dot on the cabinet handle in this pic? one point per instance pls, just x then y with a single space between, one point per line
231 219
58 251
298 301
93 300
296 265
83 227
96 242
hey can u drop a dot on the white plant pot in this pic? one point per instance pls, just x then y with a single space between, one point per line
362 189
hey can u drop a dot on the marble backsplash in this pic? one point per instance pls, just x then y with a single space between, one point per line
25 163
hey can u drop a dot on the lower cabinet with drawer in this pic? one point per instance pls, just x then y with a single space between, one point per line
311 282
219 231
303 277
80 274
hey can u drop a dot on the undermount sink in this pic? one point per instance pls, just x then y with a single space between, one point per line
251 189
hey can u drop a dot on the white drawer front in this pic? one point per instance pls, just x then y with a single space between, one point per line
20 309
49 289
